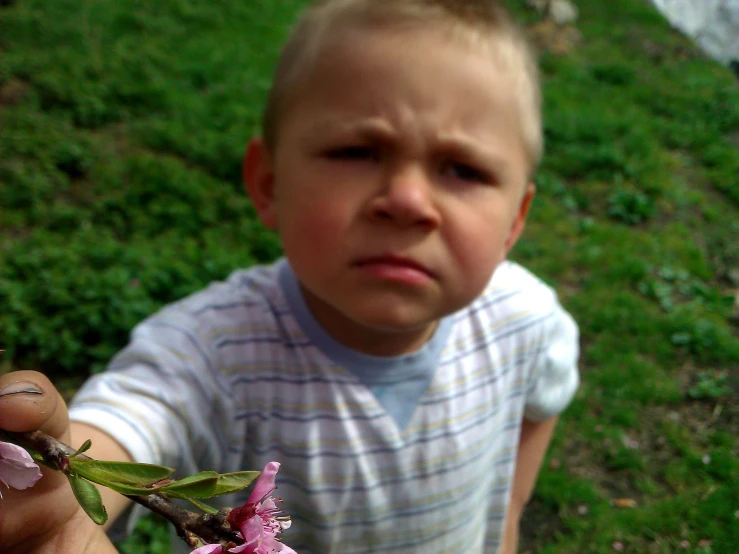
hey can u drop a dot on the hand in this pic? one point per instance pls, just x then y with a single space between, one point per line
45 518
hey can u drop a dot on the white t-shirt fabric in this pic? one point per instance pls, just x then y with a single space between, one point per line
407 454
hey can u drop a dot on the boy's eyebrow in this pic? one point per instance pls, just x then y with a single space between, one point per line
468 147
458 143
375 128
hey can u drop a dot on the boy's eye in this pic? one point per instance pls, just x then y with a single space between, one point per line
352 153
465 172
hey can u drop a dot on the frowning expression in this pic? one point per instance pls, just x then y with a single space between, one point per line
398 183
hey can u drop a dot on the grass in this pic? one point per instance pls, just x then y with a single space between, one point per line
122 128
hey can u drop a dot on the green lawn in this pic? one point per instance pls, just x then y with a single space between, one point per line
122 125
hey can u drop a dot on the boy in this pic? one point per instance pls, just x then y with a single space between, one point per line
403 373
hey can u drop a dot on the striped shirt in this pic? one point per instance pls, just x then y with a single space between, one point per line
414 453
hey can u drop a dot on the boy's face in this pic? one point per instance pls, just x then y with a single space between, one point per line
398 184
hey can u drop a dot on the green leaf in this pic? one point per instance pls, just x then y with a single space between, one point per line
89 498
200 485
207 484
130 490
233 482
84 448
204 507
127 473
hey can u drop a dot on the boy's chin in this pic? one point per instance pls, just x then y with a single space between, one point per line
385 334
393 318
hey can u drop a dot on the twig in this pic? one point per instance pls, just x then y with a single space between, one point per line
210 528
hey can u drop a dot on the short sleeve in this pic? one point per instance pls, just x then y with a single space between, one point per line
162 397
554 378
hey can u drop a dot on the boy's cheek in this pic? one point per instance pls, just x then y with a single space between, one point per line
312 242
315 228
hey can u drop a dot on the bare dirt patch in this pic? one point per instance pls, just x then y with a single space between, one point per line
539 525
13 92
557 39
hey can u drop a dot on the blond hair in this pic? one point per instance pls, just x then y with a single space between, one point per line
483 23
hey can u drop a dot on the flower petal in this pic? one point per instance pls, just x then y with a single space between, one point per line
208 549
254 534
17 468
13 452
259 520
265 483
273 545
253 531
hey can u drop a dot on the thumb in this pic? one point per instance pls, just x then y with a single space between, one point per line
28 401
46 517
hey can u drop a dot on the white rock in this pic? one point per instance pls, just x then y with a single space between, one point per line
539 5
562 12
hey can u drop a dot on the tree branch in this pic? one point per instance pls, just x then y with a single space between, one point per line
210 528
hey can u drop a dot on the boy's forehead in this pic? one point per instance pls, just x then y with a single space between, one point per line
399 40
389 54
368 86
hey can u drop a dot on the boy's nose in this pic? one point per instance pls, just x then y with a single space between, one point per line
407 198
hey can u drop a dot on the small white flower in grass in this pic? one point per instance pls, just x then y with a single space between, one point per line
17 468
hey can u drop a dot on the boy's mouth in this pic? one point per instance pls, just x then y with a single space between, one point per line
396 268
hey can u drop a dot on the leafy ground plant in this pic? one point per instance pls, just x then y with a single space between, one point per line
710 386
123 125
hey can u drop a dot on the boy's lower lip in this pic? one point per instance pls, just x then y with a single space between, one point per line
397 272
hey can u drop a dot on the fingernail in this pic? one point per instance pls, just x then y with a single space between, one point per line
20 387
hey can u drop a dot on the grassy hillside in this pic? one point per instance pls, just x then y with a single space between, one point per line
122 125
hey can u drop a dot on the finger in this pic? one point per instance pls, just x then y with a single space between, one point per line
29 401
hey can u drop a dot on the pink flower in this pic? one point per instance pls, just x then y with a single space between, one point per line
259 520
17 468
208 549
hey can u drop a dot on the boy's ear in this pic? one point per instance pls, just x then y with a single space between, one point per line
257 172
519 223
